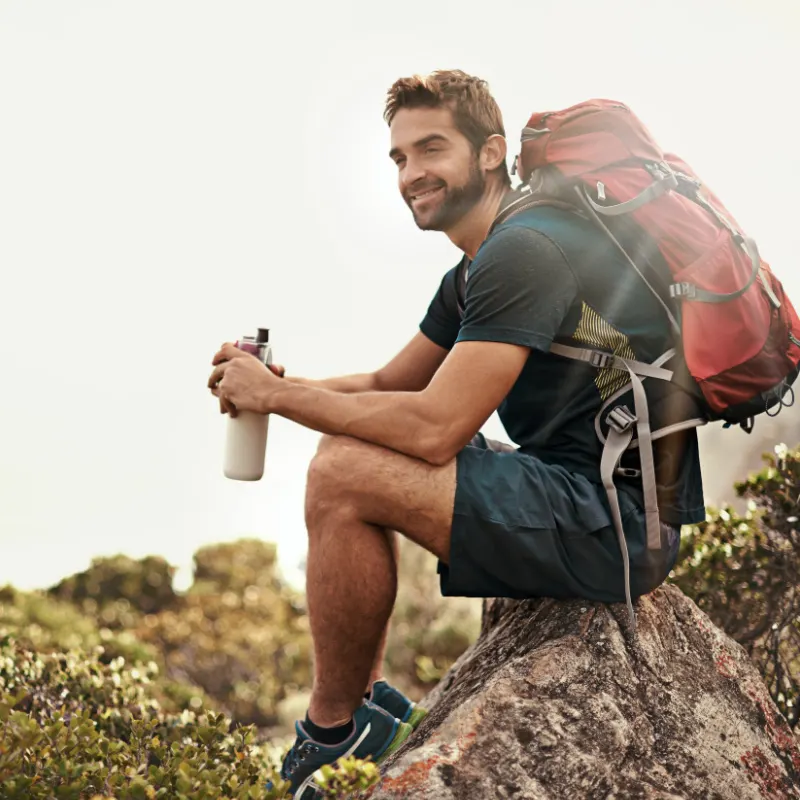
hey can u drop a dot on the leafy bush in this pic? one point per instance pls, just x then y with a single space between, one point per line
44 624
239 633
74 727
743 570
428 632
123 583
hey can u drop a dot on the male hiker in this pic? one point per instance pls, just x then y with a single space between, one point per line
403 452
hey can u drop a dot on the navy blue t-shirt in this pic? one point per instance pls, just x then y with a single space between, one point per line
547 274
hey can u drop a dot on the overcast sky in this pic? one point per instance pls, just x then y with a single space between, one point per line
174 174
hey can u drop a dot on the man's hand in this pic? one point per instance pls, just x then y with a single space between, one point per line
241 381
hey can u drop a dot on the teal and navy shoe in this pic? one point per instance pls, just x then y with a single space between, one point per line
396 703
377 734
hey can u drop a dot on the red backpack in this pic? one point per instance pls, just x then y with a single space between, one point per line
736 332
739 333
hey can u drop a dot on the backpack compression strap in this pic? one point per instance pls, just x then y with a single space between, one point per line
620 435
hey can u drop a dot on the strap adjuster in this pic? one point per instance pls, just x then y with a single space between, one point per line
684 289
600 360
621 419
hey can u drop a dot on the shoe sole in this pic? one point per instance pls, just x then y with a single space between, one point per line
417 715
404 730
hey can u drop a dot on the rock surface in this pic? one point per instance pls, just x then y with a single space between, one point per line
559 700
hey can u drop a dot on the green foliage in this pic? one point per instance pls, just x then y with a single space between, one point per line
233 566
74 727
428 632
46 623
348 775
743 570
247 650
239 634
116 588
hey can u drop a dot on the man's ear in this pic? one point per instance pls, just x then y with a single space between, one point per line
493 152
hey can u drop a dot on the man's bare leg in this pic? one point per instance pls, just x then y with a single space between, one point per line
357 492
380 655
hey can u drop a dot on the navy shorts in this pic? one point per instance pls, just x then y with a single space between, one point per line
523 528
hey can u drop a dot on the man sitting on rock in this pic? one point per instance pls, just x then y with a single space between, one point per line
402 449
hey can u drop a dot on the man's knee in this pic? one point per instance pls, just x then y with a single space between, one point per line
327 478
330 462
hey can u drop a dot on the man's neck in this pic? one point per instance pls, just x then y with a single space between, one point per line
471 230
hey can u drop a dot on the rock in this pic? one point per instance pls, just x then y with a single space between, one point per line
558 700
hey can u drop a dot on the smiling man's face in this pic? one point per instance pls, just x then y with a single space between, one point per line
439 174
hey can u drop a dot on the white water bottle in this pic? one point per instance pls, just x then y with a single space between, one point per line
246 436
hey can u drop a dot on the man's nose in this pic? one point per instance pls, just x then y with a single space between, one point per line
413 171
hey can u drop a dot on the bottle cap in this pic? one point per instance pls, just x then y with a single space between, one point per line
263 336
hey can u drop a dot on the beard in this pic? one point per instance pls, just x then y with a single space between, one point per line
455 202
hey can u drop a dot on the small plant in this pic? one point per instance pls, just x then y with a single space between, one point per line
348 775
73 727
743 570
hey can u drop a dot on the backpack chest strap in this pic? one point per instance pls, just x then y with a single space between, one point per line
601 360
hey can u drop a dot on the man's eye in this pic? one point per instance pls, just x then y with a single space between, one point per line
429 150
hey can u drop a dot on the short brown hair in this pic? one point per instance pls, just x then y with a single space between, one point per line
475 112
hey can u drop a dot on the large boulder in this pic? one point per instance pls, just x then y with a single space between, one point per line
561 700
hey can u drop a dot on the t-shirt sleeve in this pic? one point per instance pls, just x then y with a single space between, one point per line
519 290
442 320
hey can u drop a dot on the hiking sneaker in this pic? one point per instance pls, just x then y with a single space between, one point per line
377 734
396 703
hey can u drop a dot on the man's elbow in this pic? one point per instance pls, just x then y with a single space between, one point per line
440 447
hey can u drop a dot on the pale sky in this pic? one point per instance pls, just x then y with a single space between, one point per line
175 174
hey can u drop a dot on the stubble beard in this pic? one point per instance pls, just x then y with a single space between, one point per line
456 203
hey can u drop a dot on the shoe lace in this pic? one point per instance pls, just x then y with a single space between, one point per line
295 756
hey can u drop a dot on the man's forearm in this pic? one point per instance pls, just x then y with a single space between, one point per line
396 420
347 384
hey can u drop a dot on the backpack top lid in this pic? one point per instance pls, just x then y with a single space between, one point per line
584 137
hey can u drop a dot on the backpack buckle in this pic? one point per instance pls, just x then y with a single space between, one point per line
621 419
600 360
684 289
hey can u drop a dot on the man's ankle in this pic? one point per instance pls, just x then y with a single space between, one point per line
328 734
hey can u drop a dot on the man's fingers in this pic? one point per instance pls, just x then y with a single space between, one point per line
278 369
226 353
216 375
226 407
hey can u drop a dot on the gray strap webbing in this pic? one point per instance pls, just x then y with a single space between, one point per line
616 444
653 191
646 463
704 296
597 358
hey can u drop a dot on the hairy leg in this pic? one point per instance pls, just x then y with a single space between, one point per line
356 493
380 654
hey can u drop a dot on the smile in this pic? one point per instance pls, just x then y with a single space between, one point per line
425 195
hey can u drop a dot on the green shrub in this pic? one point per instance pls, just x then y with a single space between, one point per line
74 727
44 624
118 589
239 633
428 632
743 570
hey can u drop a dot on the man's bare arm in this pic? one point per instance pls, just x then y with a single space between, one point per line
410 370
432 424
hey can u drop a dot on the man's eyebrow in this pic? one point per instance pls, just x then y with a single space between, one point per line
434 137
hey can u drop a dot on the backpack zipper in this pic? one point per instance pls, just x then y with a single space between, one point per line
793 339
